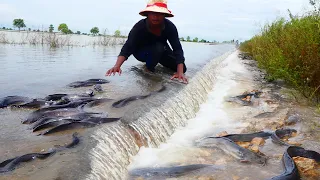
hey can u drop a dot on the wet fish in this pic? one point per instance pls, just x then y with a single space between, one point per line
100 120
75 141
295 151
163 88
98 88
279 134
290 169
11 164
13 100
45 120
172 172
97 102
59 102
67 112
39 114
57 97
98 81
276 136
71 104
231 148
248 137
239 99
68 126
77 98
52 123
34 104
76 117
86 123
4 163
89 82
55 122
126 101
54 97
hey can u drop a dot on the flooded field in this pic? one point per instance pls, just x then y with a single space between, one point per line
149 127
38 71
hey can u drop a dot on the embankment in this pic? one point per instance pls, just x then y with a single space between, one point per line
290 50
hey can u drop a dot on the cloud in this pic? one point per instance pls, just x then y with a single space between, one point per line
214 20
7 13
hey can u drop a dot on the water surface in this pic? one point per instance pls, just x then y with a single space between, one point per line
37 71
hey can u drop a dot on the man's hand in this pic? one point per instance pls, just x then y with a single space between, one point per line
114 70
180 77
179 74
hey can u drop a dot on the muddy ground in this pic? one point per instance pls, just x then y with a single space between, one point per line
278 106
285 105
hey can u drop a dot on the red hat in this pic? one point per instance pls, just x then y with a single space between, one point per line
159 6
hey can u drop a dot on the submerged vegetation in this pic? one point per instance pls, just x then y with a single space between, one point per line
64 29
58 40
64 37
290 50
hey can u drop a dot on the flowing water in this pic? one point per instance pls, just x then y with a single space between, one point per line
165 136
152 128
220 79
105 151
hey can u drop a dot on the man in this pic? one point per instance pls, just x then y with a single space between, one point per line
147 42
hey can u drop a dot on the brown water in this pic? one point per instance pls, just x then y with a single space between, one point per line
158 131
214 116
37 71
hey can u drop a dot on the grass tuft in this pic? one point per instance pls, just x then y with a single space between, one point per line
290 50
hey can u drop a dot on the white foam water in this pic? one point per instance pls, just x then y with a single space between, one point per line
194 111
209 120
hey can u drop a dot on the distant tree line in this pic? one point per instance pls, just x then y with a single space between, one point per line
188 39
63 28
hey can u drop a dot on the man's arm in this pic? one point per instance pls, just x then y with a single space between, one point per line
126 51
120 61
176 46
128 48
178 52
116 68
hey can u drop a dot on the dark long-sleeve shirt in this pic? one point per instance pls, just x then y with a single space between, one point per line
140 36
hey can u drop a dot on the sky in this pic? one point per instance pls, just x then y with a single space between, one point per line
206 19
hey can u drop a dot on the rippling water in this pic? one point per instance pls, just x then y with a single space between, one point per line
36 71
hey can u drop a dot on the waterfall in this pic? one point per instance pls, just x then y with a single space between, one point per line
117 143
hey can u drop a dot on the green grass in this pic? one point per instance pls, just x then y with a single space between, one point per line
290 50
318 108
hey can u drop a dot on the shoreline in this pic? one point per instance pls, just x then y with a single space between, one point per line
288 104
58 39
274 101
78 159
217 115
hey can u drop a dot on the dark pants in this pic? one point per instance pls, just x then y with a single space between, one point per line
158 53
